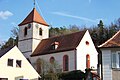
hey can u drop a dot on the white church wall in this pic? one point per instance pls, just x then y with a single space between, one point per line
36 37
58 58
45 31
83 50
26 71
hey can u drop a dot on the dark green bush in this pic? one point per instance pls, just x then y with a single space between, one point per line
73 75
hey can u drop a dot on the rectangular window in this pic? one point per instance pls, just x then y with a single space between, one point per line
116 60
10 62
40 32
3 78
119 59
18 63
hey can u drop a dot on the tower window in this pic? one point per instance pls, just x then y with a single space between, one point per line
25 31
40 32
65 63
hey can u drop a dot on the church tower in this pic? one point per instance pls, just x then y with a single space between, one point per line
31 31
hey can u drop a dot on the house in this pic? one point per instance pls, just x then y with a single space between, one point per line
74 51
111 58
14 66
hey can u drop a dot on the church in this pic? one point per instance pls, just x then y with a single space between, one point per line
75 51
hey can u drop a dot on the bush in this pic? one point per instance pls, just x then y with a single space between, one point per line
73 75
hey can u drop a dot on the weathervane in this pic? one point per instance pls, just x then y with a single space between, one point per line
34 3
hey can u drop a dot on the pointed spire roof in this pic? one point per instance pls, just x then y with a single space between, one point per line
34 16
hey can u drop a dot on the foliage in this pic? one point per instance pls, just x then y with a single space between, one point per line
13 40
51 76
102 33
88 74
99 33
72 75
47 70
10 42
14 32
56 31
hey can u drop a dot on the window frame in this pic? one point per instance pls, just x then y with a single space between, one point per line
19 65
117 60
52 60
54 45
3 78
9 62
25 31
88 61
65 66
40 31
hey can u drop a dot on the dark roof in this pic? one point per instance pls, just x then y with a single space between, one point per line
113 42
34 16
66 43
4 51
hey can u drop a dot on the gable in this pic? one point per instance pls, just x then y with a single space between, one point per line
86 47
113 42
66 43
13 71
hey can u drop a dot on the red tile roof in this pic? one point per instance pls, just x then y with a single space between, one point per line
66 43
112 42
34 16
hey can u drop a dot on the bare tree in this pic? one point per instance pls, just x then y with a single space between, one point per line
14 32
48 70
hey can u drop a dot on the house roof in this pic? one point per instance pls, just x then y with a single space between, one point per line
34 16
4 51
113 42
66 43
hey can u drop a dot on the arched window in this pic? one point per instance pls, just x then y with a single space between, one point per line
40 31
87 61
65 63
39 65
52 60
25 31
